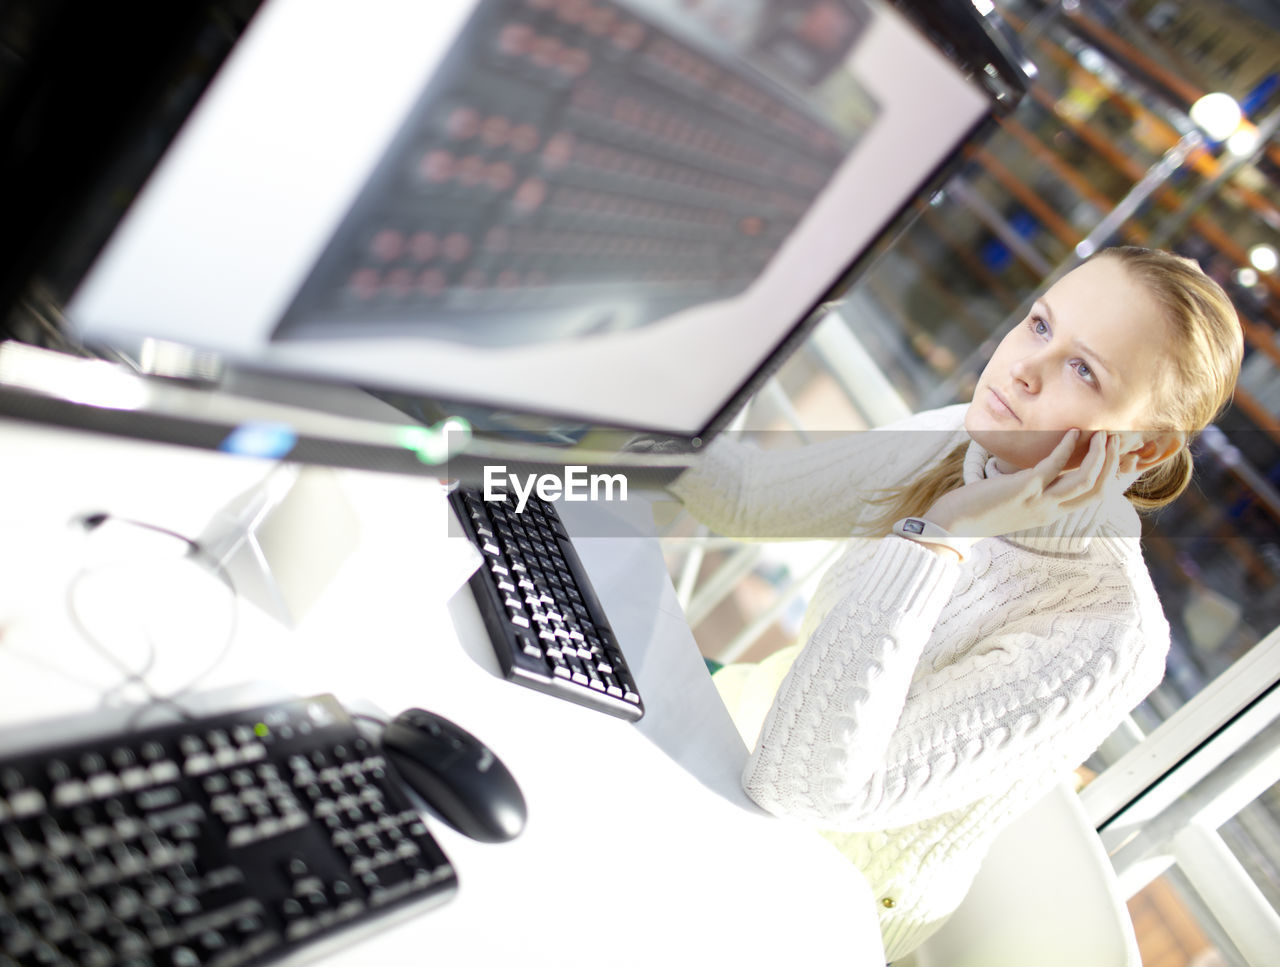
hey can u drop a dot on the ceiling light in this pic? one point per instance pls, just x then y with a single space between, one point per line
1217 115
1264 258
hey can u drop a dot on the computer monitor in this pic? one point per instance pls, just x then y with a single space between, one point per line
547 217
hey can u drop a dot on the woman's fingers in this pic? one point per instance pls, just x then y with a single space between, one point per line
1110 464
1050 468
1071 483
1034 496
1088 480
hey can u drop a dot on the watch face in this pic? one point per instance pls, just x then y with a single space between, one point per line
913 526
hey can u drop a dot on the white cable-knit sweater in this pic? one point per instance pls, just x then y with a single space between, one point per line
930 701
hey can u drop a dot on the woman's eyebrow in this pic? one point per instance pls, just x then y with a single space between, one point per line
1093 356
1084 350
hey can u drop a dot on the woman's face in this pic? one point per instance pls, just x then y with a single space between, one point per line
1088 355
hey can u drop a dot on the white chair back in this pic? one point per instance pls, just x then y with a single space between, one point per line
1046 895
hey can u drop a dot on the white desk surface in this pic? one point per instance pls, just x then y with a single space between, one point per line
640 845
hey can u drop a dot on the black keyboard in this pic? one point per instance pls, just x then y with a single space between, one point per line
231 840
546 623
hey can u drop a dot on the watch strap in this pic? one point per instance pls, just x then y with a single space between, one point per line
927 532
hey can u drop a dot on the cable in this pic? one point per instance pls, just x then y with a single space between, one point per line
137 676
369 718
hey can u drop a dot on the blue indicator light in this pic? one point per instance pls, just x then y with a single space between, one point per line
271 440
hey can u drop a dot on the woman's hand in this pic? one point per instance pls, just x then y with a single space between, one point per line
1033 497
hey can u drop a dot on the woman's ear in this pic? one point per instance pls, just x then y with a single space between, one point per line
1155 448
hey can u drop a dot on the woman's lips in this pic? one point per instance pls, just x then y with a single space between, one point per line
1001 406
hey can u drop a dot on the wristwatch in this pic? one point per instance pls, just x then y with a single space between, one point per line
926 532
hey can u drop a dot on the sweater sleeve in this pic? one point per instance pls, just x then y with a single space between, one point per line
852 743
814 491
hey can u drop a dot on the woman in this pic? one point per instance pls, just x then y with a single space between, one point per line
1004 623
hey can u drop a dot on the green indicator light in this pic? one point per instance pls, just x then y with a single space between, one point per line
261 730
413 437
435 444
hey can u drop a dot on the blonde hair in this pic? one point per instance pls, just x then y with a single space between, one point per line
1206 345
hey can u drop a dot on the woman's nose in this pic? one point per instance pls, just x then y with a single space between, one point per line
1026 372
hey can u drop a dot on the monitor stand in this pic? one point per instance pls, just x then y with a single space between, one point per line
282 540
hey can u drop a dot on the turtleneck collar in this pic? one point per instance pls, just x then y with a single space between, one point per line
1071 533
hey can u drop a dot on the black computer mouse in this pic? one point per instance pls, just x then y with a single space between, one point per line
456 774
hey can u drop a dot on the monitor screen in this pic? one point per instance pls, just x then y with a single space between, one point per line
614 212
